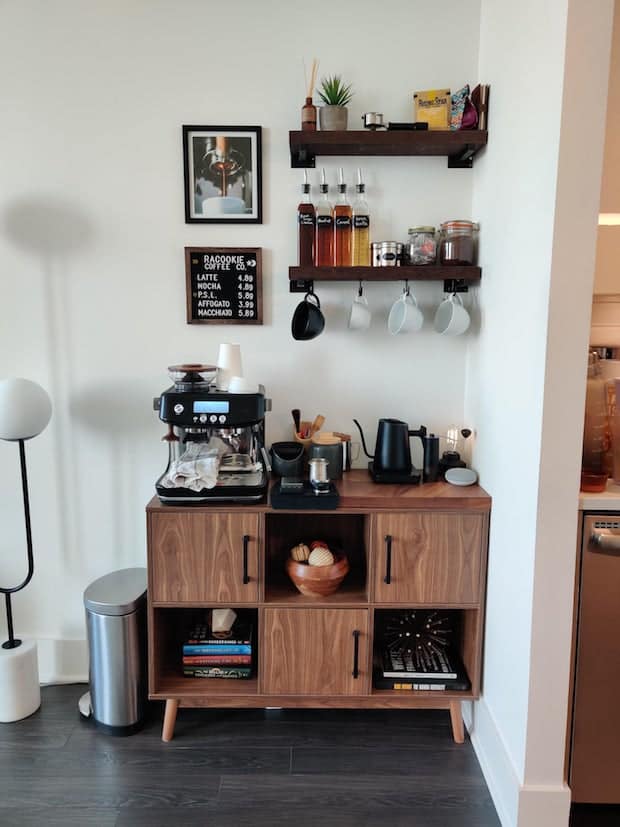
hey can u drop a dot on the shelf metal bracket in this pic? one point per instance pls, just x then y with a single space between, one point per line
301 158
301 286
455 286
463 159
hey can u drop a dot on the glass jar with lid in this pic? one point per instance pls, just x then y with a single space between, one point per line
422 246
457 242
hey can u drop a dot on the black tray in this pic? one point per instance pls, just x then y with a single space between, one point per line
305 499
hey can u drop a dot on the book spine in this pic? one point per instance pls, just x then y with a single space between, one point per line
213 641
409 676
217 672
215 660
208 649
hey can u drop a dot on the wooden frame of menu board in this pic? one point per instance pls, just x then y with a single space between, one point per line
224 285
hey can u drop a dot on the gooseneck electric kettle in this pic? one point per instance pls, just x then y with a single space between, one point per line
391 461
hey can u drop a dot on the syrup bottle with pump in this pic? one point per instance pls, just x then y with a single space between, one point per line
324 237
343 220
306 226
360 232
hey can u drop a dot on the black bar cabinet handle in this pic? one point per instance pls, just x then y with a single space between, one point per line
246 540
388 559
356 653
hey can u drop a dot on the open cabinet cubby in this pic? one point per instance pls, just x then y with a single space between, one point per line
408 548
345 534
171 627
463 625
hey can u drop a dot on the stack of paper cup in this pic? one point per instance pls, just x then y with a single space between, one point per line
228 365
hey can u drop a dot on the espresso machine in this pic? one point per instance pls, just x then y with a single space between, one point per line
216 440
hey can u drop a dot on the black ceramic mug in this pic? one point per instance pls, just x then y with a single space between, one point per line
308 321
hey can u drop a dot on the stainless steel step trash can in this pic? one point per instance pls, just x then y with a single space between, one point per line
115 607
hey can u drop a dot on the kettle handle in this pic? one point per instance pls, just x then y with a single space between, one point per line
420 432
359 428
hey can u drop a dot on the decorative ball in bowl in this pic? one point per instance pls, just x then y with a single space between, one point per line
320 573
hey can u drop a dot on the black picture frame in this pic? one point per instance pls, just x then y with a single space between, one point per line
223 174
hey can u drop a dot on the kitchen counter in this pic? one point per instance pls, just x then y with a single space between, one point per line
358 492
608 500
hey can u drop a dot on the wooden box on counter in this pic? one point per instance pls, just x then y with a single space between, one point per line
409 547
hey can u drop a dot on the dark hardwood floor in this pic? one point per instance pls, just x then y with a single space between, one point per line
233 768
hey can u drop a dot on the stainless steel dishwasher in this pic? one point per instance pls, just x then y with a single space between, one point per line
594 765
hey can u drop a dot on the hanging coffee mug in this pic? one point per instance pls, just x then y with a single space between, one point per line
405 315
451 317
360 315
308 321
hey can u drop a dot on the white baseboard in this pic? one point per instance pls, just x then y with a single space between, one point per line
544 806
62 661
497 767
517 804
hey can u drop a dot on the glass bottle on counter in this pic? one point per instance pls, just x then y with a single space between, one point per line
324 236
306 221
360 232
343 220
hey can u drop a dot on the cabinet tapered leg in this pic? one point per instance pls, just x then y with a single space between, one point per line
456 717
170 717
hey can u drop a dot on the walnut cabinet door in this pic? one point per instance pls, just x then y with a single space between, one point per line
315 652
204 558
428 558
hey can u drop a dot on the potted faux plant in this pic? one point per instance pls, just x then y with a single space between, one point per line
335 95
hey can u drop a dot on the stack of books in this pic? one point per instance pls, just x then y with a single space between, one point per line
423 669
206 655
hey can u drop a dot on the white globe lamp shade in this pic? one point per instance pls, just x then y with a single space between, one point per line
25 409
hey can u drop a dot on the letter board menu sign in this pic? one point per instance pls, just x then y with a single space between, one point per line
224 285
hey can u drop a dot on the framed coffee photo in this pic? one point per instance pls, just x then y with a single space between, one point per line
222 170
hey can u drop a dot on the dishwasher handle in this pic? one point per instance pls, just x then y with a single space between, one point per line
605 543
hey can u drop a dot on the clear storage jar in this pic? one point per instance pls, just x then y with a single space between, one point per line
457 242
421 247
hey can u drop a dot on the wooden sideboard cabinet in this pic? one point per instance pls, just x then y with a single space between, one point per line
409 547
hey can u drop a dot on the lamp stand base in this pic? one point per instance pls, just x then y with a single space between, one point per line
20 693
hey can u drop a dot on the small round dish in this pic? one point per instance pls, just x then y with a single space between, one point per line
461 476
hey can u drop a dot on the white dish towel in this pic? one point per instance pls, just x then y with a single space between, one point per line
198 467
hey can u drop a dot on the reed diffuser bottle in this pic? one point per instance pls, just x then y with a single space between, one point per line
360 232
323 246
308 110
342 226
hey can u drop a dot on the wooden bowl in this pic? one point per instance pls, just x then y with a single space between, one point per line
317 581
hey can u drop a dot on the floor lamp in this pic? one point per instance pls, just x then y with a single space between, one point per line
25 410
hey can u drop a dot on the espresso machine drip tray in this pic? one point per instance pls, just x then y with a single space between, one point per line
239 464
232 488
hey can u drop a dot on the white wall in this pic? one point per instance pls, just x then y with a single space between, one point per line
607 277
91 248
536 191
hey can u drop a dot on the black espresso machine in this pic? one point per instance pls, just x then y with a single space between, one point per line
216 440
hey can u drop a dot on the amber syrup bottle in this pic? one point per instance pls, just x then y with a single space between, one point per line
323 245
306 226
342 226
360 238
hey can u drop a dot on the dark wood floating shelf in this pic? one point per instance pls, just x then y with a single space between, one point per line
460 147
426 272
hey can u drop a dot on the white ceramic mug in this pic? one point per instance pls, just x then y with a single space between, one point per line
451 318
360 315
405 315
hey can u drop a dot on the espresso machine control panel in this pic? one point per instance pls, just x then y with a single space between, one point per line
213 409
